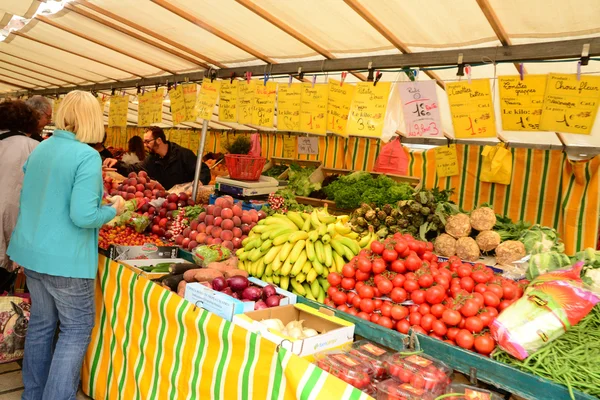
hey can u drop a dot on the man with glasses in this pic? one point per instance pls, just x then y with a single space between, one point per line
43 107
167 162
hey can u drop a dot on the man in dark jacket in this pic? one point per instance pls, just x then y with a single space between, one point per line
168 163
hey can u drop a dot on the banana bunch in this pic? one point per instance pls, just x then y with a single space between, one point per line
296 251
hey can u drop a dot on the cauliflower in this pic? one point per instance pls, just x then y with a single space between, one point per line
483 219
445 245
592 279
467 249
488 240
510 251
458 225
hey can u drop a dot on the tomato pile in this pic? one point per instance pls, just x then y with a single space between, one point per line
126 236
400 285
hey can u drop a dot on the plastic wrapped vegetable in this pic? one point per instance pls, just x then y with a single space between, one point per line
204 255
551 305
139 222
545 262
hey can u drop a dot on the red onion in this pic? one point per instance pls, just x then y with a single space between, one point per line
219 283
238 283
252 293
235 295
260 305
227 291
269 291
273 301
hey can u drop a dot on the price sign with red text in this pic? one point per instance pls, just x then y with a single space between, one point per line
313 110
263 112
471 108
421 109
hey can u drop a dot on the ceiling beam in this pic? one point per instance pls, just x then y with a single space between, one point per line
135 35
261 12
22 35
13 85
148 32
34 71
19 80
557 50
101 43
33 77
386 33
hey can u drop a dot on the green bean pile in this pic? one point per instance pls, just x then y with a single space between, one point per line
572 360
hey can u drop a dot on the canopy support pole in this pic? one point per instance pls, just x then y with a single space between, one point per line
199 159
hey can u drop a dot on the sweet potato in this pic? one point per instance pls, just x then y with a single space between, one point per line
181 288
228 273
220 265
188 275
207 275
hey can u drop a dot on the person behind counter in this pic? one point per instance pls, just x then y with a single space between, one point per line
104 152
168 163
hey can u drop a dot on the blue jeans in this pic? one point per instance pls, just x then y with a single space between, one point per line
54 374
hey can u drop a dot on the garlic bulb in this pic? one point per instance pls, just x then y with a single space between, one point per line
274 324
308 332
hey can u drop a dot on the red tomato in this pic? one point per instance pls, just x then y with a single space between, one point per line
377 278
366 292
464 270
478 297
414 318
375 317
343 308
386 309
404 375
398 295
503 304
412 262
378 265
491 299
465 339
334 278
364 315
410 285
496 289
467 283
493 311
438 327
403 326
389 255
474 324
355 301
422 248
399 312
455 281
484 344
348 271
437 310
352 311
339 298
510 291
400 246
413 245
377 247
386 322
427 321
451 317
452 332
363 264
367 306
425 280
348 283
418 296
480 288
462 323
442 280
470 308
486 318
331 291
414 308
435 295
385 286
479 276
428 256
455 290
419 329
424 309
362 276
398 266
398 281
378 303
417 381
410 275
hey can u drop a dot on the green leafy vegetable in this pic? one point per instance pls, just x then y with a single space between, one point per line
540 239
508 230
299 180
275 170
545 262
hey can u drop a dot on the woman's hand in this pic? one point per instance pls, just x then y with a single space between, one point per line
109 163
118 203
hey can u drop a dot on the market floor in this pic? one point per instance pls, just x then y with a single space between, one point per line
11 384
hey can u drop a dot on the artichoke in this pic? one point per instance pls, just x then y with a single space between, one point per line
361 222
425 211
395 213
381 215
389 221
394 229
412 230
360 212
415 207
403 223
370 215
376 223
382 233
387 209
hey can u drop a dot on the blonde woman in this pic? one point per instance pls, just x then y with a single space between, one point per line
56 241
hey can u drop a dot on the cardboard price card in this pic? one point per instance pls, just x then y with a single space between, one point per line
313 109
150 107
289 99
471 108
207 99
308 145
570 105
421 109
446 161
521 102
117 110
338 106
178 110
228 95
245 101
289 146
263 112
367 113
190 92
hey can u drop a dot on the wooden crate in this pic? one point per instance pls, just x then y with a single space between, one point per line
288 161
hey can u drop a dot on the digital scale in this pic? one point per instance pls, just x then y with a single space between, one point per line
246 189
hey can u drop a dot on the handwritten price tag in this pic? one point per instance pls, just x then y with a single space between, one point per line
521 102
313 110
207 99
190 93
178 110
263 113
308 145
185 139
194 141
245 101
289 99
289 146
446 161
338 106
570 105
175 136
471 108
117 110
421 109
123 138
150 107
228 95
367 112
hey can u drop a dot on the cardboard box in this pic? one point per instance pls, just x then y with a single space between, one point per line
136 264
145 252
333 332
224 305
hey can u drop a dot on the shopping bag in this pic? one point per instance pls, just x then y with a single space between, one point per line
14 320
392 159
255 142
496 166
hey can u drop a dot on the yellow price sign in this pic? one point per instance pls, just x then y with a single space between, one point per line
338 106
207 99
367 113
289 146
313 109
446 161
150 107
228 101
570 104
123 138
185 139
471 108
190 92
223 141
245 101
178 110
175 136
263 112
521 102
117 110
194 141
289 99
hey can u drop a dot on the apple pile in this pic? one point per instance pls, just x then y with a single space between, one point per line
222 223
135 186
